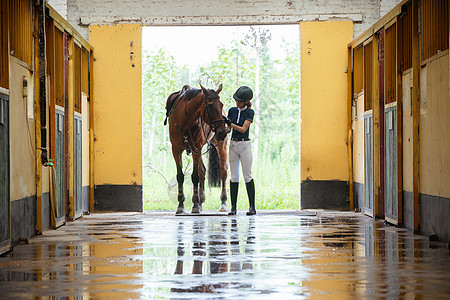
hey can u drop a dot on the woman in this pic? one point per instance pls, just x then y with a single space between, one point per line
239 119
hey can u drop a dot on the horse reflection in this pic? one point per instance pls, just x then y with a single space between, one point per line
216 249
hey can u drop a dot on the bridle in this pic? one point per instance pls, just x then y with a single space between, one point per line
206 111
212 126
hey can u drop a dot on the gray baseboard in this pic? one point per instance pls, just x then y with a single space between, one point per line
358 195
325 194
408 210
23 218
46 211
434 219
86 198
109 197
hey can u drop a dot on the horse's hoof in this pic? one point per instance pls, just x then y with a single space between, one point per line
180 210
223 208
196 209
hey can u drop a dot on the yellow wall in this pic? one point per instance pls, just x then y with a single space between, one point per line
331 275
407 132
324 153
434 129
117 102
358 141
22 140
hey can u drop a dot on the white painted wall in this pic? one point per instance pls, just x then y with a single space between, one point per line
82 13
387 5
60 6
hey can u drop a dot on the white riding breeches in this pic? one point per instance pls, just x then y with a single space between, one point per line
240 151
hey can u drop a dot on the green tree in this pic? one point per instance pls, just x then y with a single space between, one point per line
257 39
232 68
161 76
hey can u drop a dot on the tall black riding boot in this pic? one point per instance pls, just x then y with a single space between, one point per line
251 197
234 186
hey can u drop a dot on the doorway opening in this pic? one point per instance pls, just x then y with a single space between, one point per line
265 58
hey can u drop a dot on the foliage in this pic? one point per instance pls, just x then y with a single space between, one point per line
232 68
278 175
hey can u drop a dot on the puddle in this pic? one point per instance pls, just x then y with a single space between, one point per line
218 257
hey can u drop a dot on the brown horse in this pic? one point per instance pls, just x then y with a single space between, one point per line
193 115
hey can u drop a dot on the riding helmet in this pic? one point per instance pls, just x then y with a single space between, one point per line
243 94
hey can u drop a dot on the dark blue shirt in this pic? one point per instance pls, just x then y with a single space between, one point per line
246 114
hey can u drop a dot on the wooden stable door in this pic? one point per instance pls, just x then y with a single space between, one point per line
5 214
390 136
78 196
380 162
368 128
392 127
60 198
368 163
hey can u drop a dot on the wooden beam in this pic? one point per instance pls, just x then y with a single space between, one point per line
399 99
91 131
387 18
67 27
367 41
361 39
349 125
70 131
376 125
4 47
51 64
391 23
415 109
393 13
38 164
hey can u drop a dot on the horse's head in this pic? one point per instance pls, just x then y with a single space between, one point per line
213 112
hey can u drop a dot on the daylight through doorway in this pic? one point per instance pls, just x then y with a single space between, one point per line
265 58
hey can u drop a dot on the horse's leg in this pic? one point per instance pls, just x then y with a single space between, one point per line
180 249
198 249
180 178
201 175
222 150
197 207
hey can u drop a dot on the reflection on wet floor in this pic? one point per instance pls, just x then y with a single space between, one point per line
292 254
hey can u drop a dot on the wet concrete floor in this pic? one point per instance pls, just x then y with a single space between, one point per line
273 255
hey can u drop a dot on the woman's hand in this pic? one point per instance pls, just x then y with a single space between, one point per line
227 121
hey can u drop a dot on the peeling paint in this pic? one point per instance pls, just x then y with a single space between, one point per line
234 12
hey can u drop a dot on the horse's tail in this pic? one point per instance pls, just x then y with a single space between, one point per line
213 166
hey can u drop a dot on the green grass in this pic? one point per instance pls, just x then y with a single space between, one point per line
269 195
277 184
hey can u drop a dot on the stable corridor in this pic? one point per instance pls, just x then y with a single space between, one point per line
275 254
